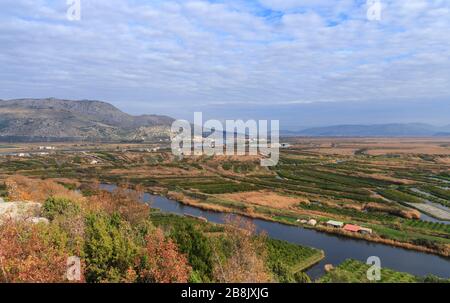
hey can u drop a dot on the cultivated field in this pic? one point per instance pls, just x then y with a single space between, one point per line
398 188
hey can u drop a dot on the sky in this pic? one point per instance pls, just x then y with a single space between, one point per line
305 62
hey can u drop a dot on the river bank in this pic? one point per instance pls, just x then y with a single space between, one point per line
253 215
337 247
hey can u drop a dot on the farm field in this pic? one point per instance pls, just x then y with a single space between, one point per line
388 186
352 271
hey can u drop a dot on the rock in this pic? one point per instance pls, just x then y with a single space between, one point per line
328 267
37 220
19 210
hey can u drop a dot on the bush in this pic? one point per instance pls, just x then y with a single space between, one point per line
54 207
110 251
197 248
38 254
164 263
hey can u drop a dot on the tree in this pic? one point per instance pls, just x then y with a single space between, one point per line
246 254
110 251
164 262
196 246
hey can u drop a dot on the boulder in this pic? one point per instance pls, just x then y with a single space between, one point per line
328 267
19 210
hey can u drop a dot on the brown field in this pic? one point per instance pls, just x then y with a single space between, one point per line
374 146
264 198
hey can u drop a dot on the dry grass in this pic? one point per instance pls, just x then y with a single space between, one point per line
264 198
376 146
22 188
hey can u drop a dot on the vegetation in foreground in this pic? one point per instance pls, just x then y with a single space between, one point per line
120 239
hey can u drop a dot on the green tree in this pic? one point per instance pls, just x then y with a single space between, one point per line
110 250
197 247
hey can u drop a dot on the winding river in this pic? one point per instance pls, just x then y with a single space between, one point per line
337 248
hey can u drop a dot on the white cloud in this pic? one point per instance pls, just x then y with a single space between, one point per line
197 52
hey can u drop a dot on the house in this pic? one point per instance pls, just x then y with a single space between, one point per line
365 231
352 228
335 224
312 222
47 147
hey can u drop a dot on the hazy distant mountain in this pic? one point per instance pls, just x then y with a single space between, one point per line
52 119
379 130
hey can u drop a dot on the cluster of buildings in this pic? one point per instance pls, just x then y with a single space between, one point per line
341 225
47 148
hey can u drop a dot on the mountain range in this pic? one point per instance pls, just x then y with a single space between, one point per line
56 119
51 119
376 130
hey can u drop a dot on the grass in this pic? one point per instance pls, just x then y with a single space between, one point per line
398 196
297 258
352 271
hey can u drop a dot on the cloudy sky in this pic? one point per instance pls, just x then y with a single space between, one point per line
235 58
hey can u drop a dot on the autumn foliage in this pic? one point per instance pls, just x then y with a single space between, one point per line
246 258
114 236
165 263
123 201
28 254
21 188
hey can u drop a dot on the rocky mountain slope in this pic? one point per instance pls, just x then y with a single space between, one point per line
53 119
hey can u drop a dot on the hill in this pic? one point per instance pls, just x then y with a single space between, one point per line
378 130
56 119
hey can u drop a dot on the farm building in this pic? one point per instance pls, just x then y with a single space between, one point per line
335 224
312 222
352 228
365 231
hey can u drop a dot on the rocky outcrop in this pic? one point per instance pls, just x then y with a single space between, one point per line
21 211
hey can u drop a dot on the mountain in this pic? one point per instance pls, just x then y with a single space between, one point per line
378 130
56 119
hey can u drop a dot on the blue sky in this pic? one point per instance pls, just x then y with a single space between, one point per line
235 58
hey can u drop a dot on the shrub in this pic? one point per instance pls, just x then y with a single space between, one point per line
245 260
110 252
54 207
123 201
164 262
32 253
194 244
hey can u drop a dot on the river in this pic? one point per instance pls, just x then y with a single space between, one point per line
337 248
